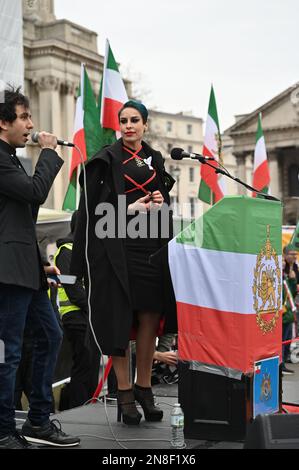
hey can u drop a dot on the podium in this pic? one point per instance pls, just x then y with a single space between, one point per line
226 273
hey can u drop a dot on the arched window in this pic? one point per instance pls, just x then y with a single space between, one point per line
293 174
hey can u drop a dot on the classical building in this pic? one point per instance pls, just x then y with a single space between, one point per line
280 120
183 130
53 51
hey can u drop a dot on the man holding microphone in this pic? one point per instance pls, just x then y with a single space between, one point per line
23 282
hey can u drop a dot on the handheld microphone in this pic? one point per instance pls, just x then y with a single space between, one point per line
34 139
179 154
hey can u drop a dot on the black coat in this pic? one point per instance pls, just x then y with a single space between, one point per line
110 293
20 198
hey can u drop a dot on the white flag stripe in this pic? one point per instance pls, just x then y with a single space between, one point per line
260 154
210 139
213 279
114 87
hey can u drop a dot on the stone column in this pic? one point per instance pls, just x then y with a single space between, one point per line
49 105
241 171
275 176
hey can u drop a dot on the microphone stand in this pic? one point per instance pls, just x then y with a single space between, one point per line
234 178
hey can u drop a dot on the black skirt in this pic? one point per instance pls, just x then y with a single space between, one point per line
145 279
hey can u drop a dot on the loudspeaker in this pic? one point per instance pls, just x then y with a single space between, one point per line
280 431
215 407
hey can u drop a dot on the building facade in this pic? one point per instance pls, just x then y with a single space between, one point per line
53 52
182 130
280 121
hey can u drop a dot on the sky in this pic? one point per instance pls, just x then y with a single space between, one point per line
174 50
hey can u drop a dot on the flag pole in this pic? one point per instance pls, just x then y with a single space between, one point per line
78 169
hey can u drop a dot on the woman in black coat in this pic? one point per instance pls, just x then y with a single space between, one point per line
129 220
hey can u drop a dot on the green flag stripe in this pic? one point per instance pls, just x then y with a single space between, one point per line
91 120
204 193
213 230
259 133
111 62
69 203
213 108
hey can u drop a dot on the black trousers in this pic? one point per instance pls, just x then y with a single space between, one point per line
85 367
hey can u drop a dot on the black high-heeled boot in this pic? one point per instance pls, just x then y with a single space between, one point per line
145 397
126 407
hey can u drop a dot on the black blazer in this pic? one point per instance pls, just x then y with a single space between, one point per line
20 198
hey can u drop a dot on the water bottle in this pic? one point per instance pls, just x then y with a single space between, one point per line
177 427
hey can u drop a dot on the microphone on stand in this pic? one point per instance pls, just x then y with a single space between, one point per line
35 136
179 154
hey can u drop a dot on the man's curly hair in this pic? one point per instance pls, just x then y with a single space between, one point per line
12 97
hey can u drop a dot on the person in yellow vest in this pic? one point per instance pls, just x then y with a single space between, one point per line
73 310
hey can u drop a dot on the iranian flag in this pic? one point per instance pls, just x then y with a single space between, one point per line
87 136
217 278
113 92
261 174
212 187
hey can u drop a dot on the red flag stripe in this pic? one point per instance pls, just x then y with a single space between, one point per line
79 140
261 176
236 341
210 177
110 114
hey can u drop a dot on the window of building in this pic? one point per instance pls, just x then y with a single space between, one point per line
169 126
191 175
192 207
169 148
174 205
189 129
293 174
190 148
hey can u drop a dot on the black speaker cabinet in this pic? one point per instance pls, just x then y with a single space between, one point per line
280 431
215 407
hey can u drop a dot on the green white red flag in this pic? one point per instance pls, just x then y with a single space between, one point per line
212 187
261 173
87 136
114 93
214 265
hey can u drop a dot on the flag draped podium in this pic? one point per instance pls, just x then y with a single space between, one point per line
226 273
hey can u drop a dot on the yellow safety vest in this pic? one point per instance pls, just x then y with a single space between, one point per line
65 304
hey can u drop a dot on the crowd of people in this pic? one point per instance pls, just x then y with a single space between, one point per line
290 289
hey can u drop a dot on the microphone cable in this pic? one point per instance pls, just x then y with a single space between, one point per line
102 364
118 441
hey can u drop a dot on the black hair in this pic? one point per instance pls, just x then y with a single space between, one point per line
136 105
12 97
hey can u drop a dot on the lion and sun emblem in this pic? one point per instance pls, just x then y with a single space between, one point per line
267 287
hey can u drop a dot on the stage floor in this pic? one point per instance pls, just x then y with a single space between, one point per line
99 430
91 424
